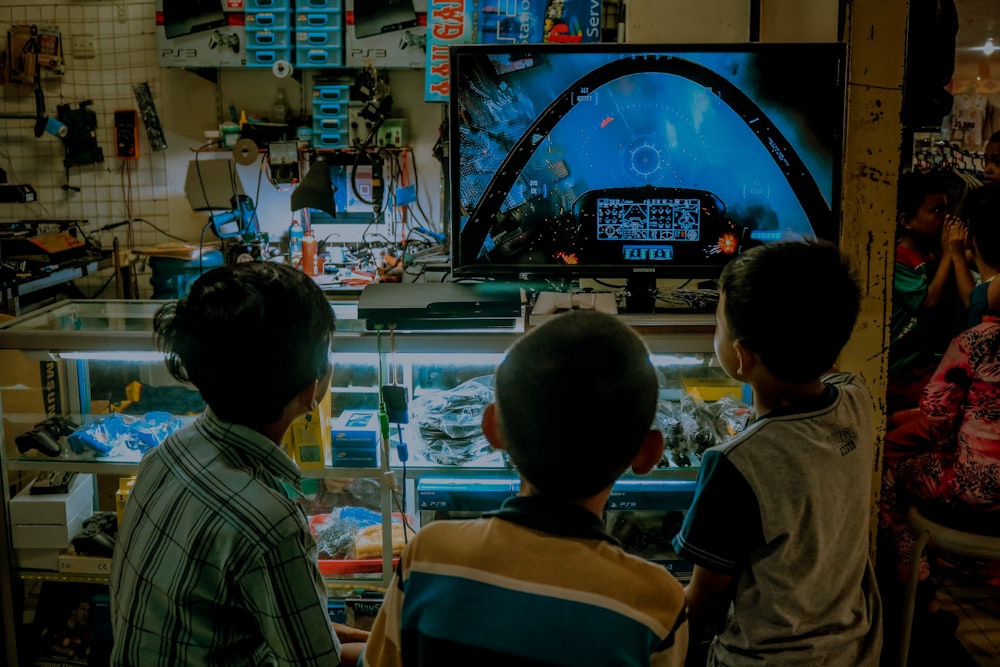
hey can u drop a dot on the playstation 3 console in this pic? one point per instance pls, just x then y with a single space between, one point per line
439 305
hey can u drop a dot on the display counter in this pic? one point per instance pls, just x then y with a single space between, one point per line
79 362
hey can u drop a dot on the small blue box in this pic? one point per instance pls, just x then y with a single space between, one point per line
354 440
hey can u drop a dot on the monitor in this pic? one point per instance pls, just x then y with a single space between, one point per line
639 161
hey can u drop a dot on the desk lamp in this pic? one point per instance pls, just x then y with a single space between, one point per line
316 189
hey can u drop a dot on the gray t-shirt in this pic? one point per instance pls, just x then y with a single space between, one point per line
785 507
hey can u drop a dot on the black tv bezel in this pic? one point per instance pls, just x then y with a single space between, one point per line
828 229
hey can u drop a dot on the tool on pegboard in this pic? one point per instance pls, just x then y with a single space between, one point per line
127 134
154 132
80 140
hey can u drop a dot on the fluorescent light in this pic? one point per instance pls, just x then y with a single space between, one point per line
988 48
114 356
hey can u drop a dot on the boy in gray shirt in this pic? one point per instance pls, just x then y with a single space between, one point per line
779 527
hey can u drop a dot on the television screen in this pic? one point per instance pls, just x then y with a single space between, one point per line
602 160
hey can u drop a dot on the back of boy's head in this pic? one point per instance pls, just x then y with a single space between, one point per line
250 337
794 304
913 187
575 398
984 228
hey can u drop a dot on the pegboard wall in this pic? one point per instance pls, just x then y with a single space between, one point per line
108 47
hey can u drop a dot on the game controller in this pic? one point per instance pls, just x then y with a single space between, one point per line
220 39
45 436
97 538
552 302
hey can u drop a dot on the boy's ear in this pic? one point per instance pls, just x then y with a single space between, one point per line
649 454
745 359
903 221
491 429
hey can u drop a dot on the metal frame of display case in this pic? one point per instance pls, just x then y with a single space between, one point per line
126 326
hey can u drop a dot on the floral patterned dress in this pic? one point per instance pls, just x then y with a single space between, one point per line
951 452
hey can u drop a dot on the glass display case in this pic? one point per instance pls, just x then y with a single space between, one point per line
74 364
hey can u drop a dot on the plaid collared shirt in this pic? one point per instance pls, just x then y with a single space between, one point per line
214 563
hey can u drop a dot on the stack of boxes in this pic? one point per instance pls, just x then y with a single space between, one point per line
319 39
268 31
330 115
42 526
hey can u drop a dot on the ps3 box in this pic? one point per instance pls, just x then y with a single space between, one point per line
201 33
385 33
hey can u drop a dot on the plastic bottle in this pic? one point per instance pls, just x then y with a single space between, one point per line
295 241
280 109
309 254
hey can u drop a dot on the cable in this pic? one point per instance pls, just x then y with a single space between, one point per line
103 287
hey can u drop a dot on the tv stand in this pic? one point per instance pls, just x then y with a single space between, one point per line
640 294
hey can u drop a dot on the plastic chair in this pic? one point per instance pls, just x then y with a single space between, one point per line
946 538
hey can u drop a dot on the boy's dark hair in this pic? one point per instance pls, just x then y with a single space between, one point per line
984 228
250 337
913 187
793 303
575 398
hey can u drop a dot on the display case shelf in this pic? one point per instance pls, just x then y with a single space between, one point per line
74 359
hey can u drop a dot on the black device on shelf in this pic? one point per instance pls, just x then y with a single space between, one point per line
639 161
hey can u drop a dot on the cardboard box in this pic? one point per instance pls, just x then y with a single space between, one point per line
55 509
451 22
395 43
38 559
188 35
355 440
70 562
48 536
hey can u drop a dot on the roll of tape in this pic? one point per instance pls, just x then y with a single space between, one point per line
245 151
282 69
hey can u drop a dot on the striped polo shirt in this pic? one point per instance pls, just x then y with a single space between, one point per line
538 583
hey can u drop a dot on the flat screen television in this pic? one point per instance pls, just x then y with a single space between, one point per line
639 161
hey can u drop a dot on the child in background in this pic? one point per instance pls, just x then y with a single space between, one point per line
991 177
983 240
779 528
541 582
931 284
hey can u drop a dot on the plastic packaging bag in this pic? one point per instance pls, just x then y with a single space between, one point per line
124 436
450 423
690 426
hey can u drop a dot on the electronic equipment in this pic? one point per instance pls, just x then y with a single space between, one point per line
45 436
373 17
80 141
127 133
185 17
639 161
44 248
283 159
147 109
439 305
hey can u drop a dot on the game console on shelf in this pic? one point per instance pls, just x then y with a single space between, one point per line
553 302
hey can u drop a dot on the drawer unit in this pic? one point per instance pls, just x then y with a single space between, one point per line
319 34
266 57
268 29
268 5
330 117
268 39
320 19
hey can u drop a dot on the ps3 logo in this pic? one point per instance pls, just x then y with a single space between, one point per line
369 53
180 54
